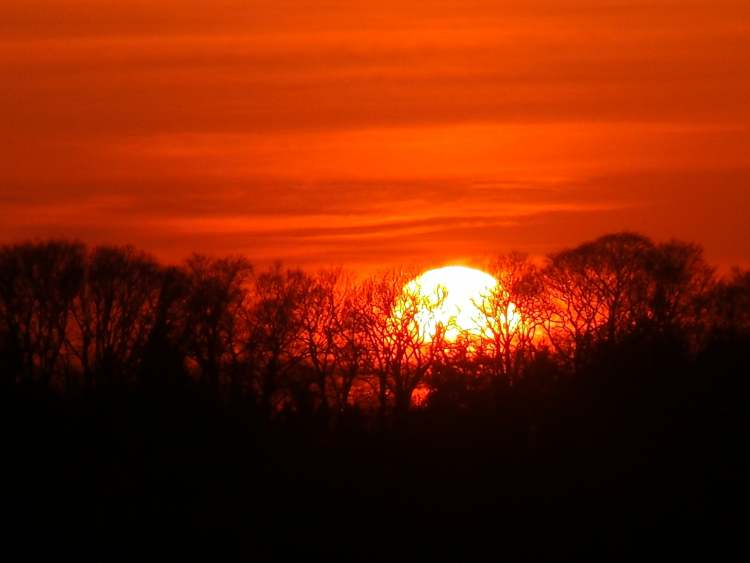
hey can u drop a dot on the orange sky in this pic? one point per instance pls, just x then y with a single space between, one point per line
371 133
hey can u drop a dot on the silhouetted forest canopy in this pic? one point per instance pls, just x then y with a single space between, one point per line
226 400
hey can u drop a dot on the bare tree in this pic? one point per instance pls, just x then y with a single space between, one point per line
273 324
595 292
217 291
38 284
681 281
164 352
508 319
351 339
402 351
320 318
114 312
729 305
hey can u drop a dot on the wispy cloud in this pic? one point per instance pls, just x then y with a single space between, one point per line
373 131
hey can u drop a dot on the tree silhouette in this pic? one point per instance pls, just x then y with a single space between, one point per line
596 292
320 323
113 313
320 342
273 324
351 339
216 294
402 351
509 320
164 351
729 305
38 285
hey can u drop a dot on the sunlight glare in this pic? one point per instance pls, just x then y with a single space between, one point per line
452 296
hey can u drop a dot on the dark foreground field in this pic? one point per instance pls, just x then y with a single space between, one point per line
609 470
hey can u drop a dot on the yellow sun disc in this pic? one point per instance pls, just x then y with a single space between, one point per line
452 297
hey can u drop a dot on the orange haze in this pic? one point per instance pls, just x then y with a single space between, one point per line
371 132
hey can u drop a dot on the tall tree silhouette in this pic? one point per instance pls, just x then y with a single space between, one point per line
114 312
351 340
730 305
402 351
509 319
164 352
217 291
273 319
38 285
680 283
595 292
320 324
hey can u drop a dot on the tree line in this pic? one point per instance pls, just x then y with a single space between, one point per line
285 340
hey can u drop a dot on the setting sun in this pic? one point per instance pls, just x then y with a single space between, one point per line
451 296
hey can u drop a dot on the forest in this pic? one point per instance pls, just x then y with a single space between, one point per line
278 412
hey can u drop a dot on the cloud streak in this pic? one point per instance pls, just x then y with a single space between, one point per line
374 132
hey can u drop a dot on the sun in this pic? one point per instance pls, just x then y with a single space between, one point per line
452 297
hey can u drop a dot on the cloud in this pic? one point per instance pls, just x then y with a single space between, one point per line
375 131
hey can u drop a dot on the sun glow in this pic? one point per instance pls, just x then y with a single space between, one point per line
455 298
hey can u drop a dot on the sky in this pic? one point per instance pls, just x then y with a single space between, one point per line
375 133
